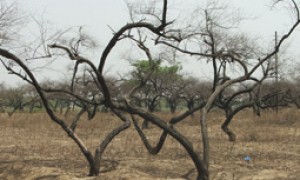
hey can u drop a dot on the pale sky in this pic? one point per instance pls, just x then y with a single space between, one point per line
97 15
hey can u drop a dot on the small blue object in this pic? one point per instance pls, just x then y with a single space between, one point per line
247 158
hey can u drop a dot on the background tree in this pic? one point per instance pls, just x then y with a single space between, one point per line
10 22
164 33
195 92
162 85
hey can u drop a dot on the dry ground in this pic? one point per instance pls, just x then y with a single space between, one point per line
32 147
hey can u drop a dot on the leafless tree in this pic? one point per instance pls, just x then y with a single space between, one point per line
10 21
218 46
119 108
164 32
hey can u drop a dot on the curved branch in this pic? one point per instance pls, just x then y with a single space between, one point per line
199 164
173 121
229 117
151 150
100 78
49 111
117 35
283 38
100 150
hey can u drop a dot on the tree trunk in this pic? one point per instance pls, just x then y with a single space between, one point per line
100 150
190 105
151 108
230 134
172 107
199 164
205 140
229 115
145 124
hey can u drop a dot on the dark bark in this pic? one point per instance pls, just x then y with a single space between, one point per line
204 136
151 150
100 150
169 129
229 115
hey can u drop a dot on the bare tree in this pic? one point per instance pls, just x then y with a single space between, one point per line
10 21
216 46
97 74
165 33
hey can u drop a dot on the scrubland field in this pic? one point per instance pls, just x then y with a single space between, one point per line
33 147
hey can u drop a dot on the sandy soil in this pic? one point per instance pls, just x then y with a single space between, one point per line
32 147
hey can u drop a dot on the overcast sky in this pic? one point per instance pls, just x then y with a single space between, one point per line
96 15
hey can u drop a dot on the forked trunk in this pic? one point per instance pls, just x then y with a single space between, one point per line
94 168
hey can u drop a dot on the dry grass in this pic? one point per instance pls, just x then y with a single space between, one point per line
32 147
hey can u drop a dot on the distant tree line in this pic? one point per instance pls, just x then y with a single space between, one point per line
210 36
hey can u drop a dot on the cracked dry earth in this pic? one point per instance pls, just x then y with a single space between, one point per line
32 147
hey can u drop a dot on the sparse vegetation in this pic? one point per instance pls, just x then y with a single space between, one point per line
240 67
32 147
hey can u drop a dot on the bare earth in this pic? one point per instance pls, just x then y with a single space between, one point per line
32 147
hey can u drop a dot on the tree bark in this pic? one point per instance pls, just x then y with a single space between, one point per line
95 170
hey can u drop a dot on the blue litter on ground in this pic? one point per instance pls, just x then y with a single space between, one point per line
247 158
